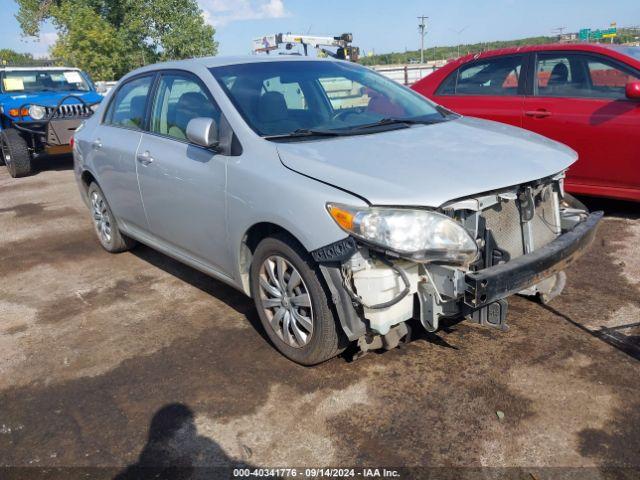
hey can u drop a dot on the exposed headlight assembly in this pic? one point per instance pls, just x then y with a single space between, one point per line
418 235
37 112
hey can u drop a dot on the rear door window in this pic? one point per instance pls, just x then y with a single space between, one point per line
498 76
129 104
560 75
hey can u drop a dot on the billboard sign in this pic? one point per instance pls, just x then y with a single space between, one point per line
266 43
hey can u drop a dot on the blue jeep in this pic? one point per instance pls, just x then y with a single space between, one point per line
40 108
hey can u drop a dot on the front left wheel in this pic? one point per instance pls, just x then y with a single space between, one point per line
292 303
15 153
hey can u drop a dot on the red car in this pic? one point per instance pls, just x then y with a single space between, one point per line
585 96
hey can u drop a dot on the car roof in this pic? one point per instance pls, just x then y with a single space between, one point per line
579 47
211 62
8 68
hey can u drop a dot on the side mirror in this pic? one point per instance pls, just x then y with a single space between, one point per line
203 131
633 90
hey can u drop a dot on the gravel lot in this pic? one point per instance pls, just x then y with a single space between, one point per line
117 360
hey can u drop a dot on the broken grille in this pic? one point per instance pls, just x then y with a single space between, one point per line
517 237
503 219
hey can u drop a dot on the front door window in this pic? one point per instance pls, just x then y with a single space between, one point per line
179 100
573 75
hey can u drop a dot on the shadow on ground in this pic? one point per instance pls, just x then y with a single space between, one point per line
48 163
175 451
611 207
229 295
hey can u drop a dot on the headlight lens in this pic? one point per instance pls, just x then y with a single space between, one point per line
420 235
37 112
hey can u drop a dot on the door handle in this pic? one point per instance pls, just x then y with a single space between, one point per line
540 113
96 145
145 158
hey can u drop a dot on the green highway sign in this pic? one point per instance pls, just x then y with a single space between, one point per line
586 34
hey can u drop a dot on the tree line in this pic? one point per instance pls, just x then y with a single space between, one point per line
449 52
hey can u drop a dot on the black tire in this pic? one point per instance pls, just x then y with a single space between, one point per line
327 339
570 201
116 242
15 153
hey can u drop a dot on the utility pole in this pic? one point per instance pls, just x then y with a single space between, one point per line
423 31
559 31
458 33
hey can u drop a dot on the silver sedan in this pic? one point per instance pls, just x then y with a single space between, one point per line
343 203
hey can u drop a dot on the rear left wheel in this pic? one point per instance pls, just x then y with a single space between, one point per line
105 224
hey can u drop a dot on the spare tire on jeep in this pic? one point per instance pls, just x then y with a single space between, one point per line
15 153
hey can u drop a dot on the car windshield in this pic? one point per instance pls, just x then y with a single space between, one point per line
306 98
630 51
31 81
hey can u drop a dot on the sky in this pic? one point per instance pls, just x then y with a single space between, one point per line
378 25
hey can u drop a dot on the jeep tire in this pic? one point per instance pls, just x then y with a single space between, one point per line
15 153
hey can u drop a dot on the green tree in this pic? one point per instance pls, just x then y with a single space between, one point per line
10 56
91 43
111 37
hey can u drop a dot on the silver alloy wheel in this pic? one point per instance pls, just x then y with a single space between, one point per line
286 301
101 217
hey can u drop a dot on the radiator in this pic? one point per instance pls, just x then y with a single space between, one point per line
504 219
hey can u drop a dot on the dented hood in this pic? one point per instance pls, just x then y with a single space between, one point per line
428 165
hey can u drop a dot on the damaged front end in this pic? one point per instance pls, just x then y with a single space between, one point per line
522 237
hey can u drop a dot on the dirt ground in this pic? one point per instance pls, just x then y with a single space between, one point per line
134 359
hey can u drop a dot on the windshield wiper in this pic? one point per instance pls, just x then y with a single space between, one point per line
305 132
446 112
396 121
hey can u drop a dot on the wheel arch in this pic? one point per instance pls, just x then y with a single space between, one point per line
87 179
250 240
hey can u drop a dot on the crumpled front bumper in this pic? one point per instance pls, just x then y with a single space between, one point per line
494 283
